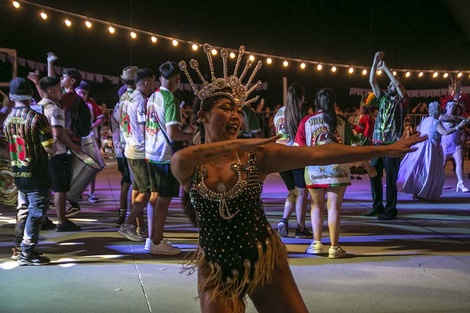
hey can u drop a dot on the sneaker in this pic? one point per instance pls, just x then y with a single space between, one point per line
149 243
48 224
72 210
92 198
336 252
68 226
128 231
33 258
164 247
304 234
283 228
315 248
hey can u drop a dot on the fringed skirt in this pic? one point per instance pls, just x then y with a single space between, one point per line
271 254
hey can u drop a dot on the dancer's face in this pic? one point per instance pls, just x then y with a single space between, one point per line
223 121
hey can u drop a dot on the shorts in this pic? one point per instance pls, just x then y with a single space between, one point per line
294 178
141 181
162 179
123 167
60 172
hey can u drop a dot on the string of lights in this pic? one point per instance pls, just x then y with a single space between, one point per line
70 18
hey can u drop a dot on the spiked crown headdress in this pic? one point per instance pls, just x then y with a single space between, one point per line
216 87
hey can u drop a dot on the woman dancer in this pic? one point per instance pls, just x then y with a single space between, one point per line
421 173
239 253
452 144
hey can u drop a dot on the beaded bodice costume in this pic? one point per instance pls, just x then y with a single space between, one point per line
233 230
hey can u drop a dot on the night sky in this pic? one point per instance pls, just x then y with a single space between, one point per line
418 34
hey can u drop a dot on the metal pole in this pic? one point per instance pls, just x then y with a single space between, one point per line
284 90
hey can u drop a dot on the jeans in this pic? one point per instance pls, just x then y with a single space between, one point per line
31 214
391 167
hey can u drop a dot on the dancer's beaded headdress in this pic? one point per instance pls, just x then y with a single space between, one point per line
238 92
455 97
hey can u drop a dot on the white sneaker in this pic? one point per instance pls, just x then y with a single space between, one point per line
315 248
149 242
163 248
283 228
128 231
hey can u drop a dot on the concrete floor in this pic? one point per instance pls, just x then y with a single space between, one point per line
418 263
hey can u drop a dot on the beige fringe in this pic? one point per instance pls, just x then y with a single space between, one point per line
234 290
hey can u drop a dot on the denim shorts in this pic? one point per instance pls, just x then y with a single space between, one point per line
294 178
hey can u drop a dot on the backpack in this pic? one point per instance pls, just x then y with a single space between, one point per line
80 117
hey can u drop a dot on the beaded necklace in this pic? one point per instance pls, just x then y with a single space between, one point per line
222 195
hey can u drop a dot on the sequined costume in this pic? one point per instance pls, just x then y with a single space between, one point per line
235 237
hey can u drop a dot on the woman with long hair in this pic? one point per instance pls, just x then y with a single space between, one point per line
286 121
323 128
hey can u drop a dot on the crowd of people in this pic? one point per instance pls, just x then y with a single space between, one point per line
222 167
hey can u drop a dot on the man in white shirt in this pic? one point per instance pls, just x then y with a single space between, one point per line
133 110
